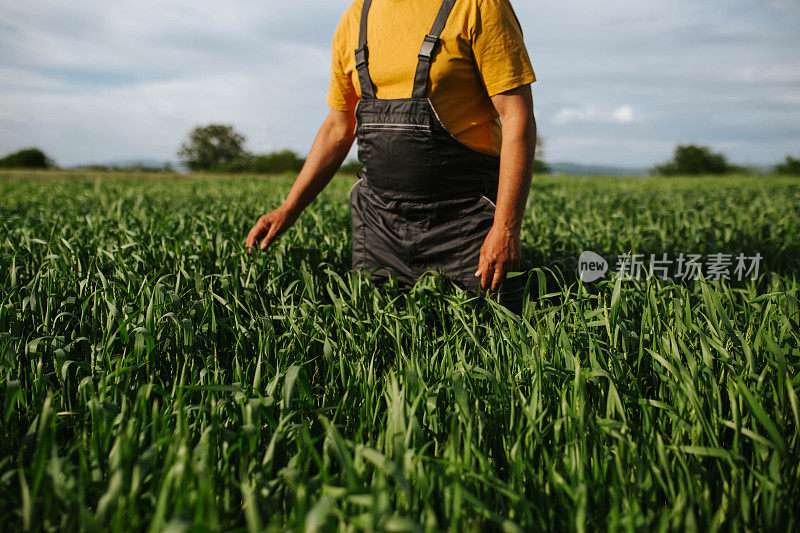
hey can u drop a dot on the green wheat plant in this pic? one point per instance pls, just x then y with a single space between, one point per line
155 377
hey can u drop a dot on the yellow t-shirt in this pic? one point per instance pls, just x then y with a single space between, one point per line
480 54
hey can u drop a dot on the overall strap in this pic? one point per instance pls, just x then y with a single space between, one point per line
362 55
428 48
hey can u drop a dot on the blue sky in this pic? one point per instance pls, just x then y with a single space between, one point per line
620 82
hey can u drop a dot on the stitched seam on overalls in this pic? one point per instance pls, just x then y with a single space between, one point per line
360 238
350 194
462 251
394 126
489 200
364 242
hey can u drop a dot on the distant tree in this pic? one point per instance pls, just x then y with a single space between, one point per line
351 167
539 166
211 147
136 167
238 165
743 169
270 163
27 158
691 159
277 162
790 167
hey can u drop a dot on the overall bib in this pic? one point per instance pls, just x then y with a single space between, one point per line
425 201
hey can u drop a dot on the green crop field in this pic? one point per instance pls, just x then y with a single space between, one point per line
155 377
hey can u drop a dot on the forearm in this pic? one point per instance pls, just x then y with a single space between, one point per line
516 168
330 148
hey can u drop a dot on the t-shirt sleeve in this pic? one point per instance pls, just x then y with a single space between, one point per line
499 49
342 95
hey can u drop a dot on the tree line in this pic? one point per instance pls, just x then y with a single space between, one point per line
220 148
693 160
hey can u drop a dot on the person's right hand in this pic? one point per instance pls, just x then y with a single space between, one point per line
269 227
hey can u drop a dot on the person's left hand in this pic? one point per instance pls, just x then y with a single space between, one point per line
500 254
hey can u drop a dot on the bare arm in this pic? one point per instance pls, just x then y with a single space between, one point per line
331 146
501 252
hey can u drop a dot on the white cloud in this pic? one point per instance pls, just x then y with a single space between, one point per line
95 80
769 74
621 115
98 80
624 114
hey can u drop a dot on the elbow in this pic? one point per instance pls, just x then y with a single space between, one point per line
340 128
341 132
520 127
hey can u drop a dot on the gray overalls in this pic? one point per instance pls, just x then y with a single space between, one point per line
425 200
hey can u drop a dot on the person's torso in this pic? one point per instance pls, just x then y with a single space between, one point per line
395 31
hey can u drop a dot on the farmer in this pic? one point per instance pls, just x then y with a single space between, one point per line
438 95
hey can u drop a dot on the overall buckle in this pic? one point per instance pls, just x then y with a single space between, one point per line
361 57
428 46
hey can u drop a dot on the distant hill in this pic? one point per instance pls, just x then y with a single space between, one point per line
595 170
132 164
556 168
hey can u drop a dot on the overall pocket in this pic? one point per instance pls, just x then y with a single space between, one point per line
399 157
